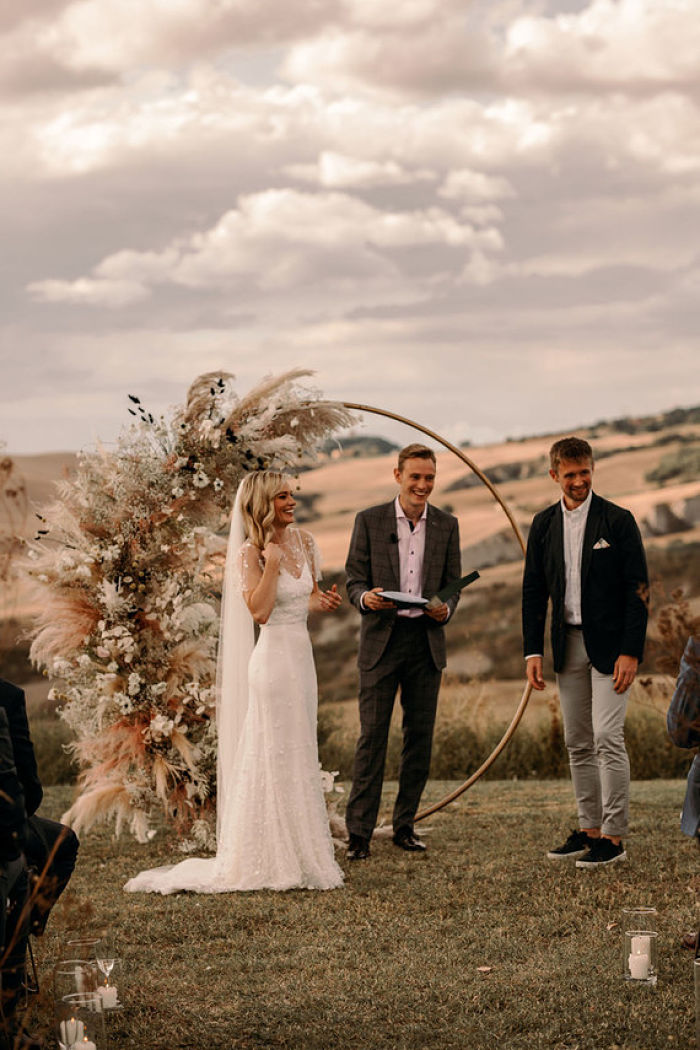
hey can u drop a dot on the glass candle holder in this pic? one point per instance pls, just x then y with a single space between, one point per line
81 946
80 1022
74 976
110 984
641 918
640 956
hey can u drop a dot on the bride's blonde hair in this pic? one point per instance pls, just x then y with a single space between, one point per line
258 491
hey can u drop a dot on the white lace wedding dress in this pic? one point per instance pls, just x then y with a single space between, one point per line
273 826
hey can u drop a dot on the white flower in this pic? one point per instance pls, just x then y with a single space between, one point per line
124 703
194 617
134 683
159 688
113 666
84 660
161 726
200 480
218 484
102 652
328 780
178 492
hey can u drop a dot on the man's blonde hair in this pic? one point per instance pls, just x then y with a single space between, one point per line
258 491
415 451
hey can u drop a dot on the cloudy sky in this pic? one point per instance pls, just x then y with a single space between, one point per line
482 214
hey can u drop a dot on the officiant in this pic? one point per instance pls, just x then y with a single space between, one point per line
410 547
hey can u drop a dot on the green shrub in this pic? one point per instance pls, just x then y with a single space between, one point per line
50 737
680 465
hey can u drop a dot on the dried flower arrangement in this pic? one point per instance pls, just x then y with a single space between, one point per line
129 565
13 512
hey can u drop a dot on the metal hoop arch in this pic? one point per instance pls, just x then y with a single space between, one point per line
514 525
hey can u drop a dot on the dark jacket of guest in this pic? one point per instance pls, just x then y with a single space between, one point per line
683 722
12 701
13 816
614 585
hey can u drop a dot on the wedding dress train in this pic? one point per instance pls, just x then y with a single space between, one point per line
273 828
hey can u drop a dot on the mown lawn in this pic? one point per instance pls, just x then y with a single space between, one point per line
393 960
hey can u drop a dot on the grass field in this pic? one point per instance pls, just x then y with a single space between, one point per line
398 958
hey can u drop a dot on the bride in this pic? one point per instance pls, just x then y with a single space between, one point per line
272 826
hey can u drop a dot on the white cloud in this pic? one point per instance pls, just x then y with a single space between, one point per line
278 239
514 176
115 37
339 171
475 186
88 291
633 45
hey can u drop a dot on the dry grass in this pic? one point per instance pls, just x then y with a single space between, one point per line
392 961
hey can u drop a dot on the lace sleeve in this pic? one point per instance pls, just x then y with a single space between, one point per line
249 567
312 554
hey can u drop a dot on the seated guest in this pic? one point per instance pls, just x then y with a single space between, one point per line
14 915
47 840
683 721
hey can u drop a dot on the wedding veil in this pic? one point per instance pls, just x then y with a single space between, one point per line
236 642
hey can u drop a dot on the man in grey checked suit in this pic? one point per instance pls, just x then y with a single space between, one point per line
413 548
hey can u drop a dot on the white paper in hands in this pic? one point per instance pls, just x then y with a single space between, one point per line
402 599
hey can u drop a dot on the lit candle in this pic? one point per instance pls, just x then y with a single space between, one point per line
72 1031
641 945
639 966
108 995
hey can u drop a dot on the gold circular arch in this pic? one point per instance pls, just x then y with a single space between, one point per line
519 536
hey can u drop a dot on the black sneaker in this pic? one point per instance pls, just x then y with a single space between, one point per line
603 851
575 846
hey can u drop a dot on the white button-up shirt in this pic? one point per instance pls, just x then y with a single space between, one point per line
574 528
411 554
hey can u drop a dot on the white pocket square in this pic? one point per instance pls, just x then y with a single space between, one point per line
600 545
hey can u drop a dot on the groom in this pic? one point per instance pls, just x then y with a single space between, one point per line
411 547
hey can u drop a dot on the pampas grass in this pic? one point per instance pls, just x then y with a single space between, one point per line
128 577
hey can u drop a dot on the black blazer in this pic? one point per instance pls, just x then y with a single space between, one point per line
373 561
13 702
614 585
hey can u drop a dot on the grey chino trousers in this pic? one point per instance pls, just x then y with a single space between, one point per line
594 734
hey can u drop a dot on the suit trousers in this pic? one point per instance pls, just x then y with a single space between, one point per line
406 664
14 931
47 838
594 725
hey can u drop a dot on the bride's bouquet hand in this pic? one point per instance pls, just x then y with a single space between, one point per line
272 555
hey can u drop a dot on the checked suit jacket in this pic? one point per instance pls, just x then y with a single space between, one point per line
373 561
614 585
